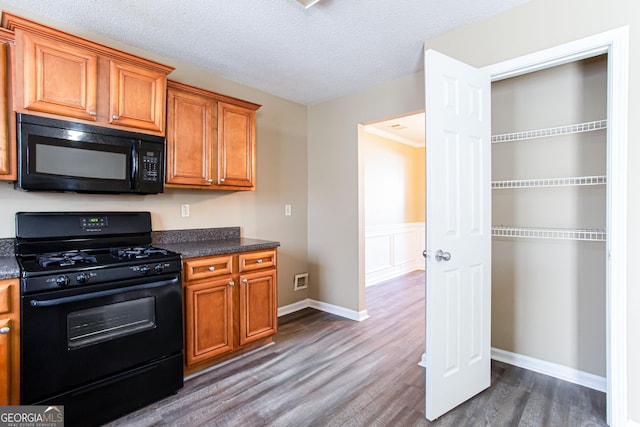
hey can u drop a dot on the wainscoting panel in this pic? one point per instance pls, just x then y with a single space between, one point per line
393 250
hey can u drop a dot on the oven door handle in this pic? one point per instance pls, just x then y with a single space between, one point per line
105 293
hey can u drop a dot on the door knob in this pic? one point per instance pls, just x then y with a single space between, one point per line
442 256
424 253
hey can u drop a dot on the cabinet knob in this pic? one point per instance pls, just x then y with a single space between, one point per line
93 113
231 283
212 268
245 281
209 180
5 330
115 117
259 261
221 179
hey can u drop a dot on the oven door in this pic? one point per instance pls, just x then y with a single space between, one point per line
73 337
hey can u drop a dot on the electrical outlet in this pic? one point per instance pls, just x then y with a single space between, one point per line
184 210
287 210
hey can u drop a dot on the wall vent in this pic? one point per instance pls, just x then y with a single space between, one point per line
300 281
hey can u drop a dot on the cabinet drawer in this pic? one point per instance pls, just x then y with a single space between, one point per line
256 260
5 297
202 268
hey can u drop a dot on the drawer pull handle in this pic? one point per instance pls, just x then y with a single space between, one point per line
245 281
259 261
92 113
212 268
115 117
231 283
5 330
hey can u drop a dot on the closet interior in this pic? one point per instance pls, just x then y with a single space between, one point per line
549 183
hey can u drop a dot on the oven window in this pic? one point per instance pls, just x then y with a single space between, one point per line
82 163
95 325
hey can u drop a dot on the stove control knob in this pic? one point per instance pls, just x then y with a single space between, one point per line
82 277
62 281
159 268
144 269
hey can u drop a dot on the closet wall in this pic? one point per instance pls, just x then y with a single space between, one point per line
548 294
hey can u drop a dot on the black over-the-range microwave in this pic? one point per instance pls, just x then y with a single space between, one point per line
58 155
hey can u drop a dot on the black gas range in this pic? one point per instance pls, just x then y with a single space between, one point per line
101 313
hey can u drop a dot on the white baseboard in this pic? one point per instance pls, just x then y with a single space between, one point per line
423 360
323 306
292 308
552 369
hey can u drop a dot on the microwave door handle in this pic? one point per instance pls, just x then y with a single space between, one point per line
134 165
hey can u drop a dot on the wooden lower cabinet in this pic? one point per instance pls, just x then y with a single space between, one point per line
209 308
230 305
9 342
258 306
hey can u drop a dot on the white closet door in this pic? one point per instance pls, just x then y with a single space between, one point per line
458 232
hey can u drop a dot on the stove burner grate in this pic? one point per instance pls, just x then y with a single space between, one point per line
63 259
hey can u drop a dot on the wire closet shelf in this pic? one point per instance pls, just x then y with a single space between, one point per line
554 131
594 235
597 235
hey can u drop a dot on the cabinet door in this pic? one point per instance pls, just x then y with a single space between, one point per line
9 343
209 319
191 132
258 305
236 145
7 150
5 362
137 97
59 78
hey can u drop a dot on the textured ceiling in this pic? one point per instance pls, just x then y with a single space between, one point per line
305 55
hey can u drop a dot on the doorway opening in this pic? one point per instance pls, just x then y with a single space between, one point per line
392 154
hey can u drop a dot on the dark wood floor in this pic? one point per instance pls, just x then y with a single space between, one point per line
324 370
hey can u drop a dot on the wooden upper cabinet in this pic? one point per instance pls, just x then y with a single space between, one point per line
236 145
191 133
7 121
137 97
210 139
58 78
61 75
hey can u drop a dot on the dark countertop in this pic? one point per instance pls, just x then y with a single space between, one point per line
8 264
208 241
9 267
218 247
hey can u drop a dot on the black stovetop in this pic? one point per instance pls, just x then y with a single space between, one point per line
70 249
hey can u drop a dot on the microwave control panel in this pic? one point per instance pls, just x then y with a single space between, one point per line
151 166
